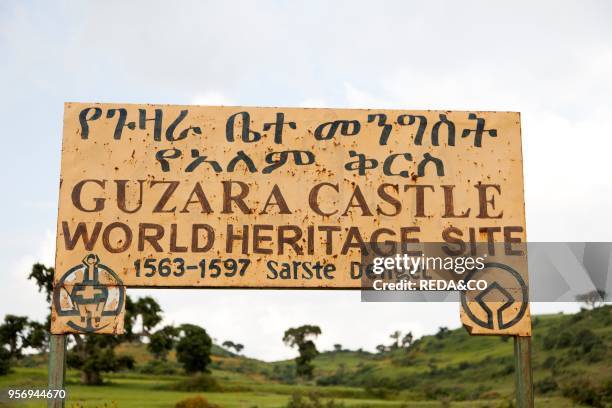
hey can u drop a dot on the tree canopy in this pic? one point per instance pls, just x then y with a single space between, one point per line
193 348
301 337
162 342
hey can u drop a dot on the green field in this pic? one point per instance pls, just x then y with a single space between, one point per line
452 370
133 391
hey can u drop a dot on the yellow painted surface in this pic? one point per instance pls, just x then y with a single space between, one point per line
160 190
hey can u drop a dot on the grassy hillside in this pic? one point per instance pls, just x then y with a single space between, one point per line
571 361
568 351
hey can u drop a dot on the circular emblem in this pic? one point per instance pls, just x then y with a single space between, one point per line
90 294
512 302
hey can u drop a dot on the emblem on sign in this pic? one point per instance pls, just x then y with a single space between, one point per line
507 292
90 295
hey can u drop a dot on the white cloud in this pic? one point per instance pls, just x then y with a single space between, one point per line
19 295
212 98
357 98
314 103
552 64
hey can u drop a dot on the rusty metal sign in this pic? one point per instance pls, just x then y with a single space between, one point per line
241 197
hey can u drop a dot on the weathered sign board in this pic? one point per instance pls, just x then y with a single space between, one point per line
240 197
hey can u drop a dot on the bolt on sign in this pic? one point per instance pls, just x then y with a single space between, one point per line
241 197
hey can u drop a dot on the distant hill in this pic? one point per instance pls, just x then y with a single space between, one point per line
571 352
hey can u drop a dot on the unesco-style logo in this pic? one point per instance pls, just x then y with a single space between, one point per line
512 304
91 294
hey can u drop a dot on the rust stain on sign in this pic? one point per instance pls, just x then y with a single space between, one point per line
193 196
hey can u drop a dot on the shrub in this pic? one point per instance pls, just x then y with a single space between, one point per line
507 403
199 382
585 340
381 393
546 385
582 391
597 353
433 392
329 380
564 340
285 374
312 400
195 402
490 395
28 361
402 360
550 362
125 362
549 340
157 367
445 402
431 346
506 369
464 365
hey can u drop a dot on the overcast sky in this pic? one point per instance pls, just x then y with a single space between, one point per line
552 61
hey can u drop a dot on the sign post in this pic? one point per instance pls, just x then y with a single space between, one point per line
244 197
57 367
523 372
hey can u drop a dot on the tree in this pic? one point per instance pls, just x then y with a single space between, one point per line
37 337
228 344
13 333
193 348
442 333
395 336
381 348
150 314
407 340
129 319
300 337
94 354
592 299
43 276
5 361
337 347
162 341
